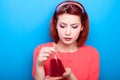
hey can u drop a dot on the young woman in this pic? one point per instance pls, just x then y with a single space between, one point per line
69 29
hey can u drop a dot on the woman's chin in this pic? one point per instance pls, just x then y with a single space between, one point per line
67 42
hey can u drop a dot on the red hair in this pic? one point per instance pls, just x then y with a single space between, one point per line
74 8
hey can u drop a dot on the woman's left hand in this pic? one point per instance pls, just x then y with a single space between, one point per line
67 72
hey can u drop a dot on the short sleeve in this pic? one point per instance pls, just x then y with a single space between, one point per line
94 65
35 55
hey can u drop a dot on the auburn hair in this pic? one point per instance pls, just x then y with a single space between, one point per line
74 8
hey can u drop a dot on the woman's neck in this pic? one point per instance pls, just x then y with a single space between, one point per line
67 48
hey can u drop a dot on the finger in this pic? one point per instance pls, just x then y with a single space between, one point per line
47 78
47 50
46 55
58 78
67 73
43 56
52 49
53 78
44 59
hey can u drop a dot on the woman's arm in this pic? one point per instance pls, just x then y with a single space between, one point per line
39 57
40 74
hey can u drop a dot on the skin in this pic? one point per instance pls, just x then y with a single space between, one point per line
68 26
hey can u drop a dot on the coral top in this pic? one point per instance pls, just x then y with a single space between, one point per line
84 62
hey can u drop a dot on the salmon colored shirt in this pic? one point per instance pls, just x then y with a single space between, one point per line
84 62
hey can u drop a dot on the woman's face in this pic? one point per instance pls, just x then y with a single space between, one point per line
69 28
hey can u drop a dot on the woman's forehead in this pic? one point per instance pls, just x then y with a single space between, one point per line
68 18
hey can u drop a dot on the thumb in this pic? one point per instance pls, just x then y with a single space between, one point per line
67 73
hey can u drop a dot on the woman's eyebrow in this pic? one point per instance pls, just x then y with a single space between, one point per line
74 24
62 23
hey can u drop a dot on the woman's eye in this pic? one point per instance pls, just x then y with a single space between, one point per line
75 27
62 26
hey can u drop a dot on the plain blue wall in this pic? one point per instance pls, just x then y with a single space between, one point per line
25 23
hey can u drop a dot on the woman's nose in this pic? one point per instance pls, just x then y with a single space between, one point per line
68 31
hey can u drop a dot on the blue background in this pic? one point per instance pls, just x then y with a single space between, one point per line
25 23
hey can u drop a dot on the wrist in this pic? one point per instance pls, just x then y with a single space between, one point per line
38 63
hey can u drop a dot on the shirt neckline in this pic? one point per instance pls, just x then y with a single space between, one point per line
66 52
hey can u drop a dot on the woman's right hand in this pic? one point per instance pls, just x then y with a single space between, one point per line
44 54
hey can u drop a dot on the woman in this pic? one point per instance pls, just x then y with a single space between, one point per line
69 29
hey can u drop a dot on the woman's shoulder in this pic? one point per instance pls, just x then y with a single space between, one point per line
90 49
48 44
90 52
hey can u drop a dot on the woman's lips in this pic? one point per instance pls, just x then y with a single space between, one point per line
67 39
